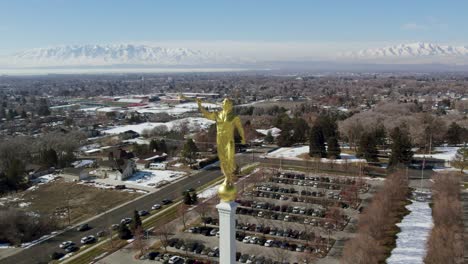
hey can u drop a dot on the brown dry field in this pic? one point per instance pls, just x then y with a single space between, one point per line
85 201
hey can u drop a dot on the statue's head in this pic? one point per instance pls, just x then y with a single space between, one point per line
227 105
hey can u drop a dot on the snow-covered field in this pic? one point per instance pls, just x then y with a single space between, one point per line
151 178
193 124
443 153
294 152
411 241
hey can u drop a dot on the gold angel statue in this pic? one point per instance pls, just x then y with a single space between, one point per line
226 122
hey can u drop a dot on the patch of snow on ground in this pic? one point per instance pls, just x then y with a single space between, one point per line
275 132
22 205
294 152
415 229
98 185
44 179
151 178
37 241
82 163
208 193
6 245
443 153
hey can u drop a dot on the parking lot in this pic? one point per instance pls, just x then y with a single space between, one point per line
282 217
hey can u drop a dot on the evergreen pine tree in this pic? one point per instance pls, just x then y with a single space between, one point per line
317 143
187 198
49 157
269 137
124 232
460 160
189 152
284 138
328 126
367 148
380 135
454 134
401 152
15 174
333 150
136 221
300 130
153 145
162 146
194 198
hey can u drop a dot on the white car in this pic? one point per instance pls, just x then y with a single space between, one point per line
156 207
175 259
88 239
268 243
253 240
66 244
126 220
246 239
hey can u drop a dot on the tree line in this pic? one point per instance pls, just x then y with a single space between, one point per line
376 229
445 244
54 149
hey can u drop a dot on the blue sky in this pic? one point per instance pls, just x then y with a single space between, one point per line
42 23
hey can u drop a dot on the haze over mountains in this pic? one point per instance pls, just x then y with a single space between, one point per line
108 55
419 52
132 55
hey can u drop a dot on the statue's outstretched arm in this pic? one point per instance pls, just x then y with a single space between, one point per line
240 129
206 113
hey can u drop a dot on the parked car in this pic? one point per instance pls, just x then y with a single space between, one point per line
214 231
244 258
152 255
101 233
56 255
88 239
176 260
126 220
66 244
115 226
214 252
72 248
247 239
166 201
253 240
156 207
143 213
268 243
82 227
251 259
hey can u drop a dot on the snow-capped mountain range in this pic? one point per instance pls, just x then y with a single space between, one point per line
419 50
139 55
123 54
